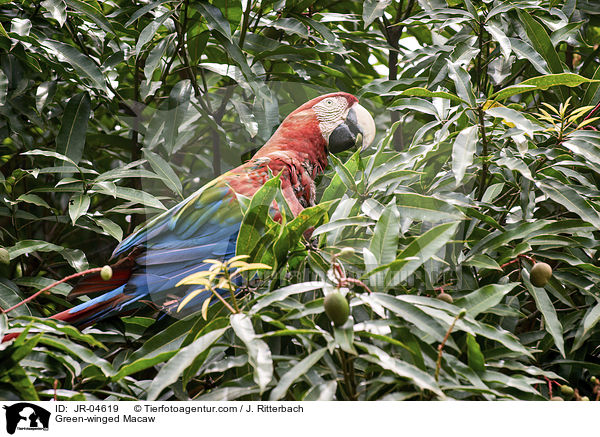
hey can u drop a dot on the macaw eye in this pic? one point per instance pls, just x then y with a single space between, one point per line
329 102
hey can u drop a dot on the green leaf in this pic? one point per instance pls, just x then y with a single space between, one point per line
515 117
482 262
426 208
27 246
463 152
590 320
385 235
592 92
44 94
81 63
424 92
544 304
10 296
294 373
474 355
78 206
256 217
33 199
462 82
214 19
164 170
344 174
421 250
413 374
259 354
484 298
92 12
283 293
130 194
500 37
58 10
571 200
109 227
373 9
184 357
144 10
70 140
337 187
543 83
80 352
149 31
542 44
410 313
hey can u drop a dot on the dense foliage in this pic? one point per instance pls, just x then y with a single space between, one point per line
487 161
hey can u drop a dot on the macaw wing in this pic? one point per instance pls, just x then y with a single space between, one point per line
171 247
198 226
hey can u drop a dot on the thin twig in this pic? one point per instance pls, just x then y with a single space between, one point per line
438 364
218 296
65 279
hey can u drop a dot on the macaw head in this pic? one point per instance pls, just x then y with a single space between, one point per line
342 121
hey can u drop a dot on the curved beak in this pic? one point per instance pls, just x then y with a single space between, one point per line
357 130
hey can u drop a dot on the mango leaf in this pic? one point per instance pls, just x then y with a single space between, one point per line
426 208
543 83
259 354
373 9
81 63
70 140
420 250
474 355
484 298
149 31
590 320
256 217
184 357
424 92
542 44
164 170
413 374
544 304
10 295
78 206
296 372
463 152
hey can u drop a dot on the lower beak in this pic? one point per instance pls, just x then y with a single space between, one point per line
357 130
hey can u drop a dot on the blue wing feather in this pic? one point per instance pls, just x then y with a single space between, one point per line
172 246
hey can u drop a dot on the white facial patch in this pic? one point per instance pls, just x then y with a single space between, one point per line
331 112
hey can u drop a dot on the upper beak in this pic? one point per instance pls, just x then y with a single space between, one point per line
357 130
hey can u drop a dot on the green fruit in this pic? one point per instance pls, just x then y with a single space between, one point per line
336 308
540 274
566 390
584 398
445 297
4 256
346 251
594 380
106 273
556 398
462 313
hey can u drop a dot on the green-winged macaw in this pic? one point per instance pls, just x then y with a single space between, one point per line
205 225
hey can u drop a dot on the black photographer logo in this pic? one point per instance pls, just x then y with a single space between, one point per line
26 417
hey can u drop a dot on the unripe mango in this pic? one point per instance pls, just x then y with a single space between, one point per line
540 274
336 308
